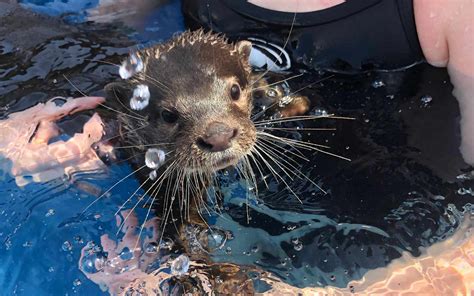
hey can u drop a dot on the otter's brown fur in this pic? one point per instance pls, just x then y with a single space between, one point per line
190 79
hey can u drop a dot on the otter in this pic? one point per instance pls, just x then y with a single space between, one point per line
195 93
191 99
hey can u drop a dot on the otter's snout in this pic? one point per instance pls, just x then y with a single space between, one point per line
218 137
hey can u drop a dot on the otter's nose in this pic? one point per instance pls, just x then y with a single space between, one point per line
217 138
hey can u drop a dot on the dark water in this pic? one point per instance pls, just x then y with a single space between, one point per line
401 191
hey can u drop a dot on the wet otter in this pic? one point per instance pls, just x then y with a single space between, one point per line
192 98
199 89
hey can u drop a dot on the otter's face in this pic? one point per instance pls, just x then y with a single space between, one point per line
199 101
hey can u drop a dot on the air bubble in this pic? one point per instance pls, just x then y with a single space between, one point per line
180 265
50 213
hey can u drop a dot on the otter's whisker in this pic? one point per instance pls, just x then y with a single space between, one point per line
308 146
311 84
158 181
103 105
112 187
144 145
160 84
297 172
277 144
131 196
300 118
276 174
242 176
281 52
297 143
304 129
274 149
255 160
125 133
252 174
278 82
125 106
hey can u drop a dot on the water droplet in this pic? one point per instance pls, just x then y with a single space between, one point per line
285 101
426 99
131 66
320 112
229 235
271 93
141 97
180 265
78 239
154 158
151 247
465 191
212 239
153 174
27 244
77 282
94 259
51 269
298 247
50 213
378 83
67 246
466 176
166 243
126 254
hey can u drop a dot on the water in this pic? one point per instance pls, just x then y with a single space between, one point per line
405 187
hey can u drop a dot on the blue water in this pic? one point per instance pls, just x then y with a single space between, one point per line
400 191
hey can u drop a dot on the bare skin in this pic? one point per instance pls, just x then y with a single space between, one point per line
24 142
446 34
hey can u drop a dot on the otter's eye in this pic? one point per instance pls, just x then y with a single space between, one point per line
235 92
169 117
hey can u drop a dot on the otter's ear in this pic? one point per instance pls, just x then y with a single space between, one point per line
244 47
120 90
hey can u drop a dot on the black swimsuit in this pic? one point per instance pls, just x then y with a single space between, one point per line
352 36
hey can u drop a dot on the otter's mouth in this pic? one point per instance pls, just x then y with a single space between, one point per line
225 162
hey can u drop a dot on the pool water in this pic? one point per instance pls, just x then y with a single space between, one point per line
403 188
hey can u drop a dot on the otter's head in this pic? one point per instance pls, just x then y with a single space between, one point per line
195 92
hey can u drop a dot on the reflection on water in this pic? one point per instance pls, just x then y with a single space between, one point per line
406 188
